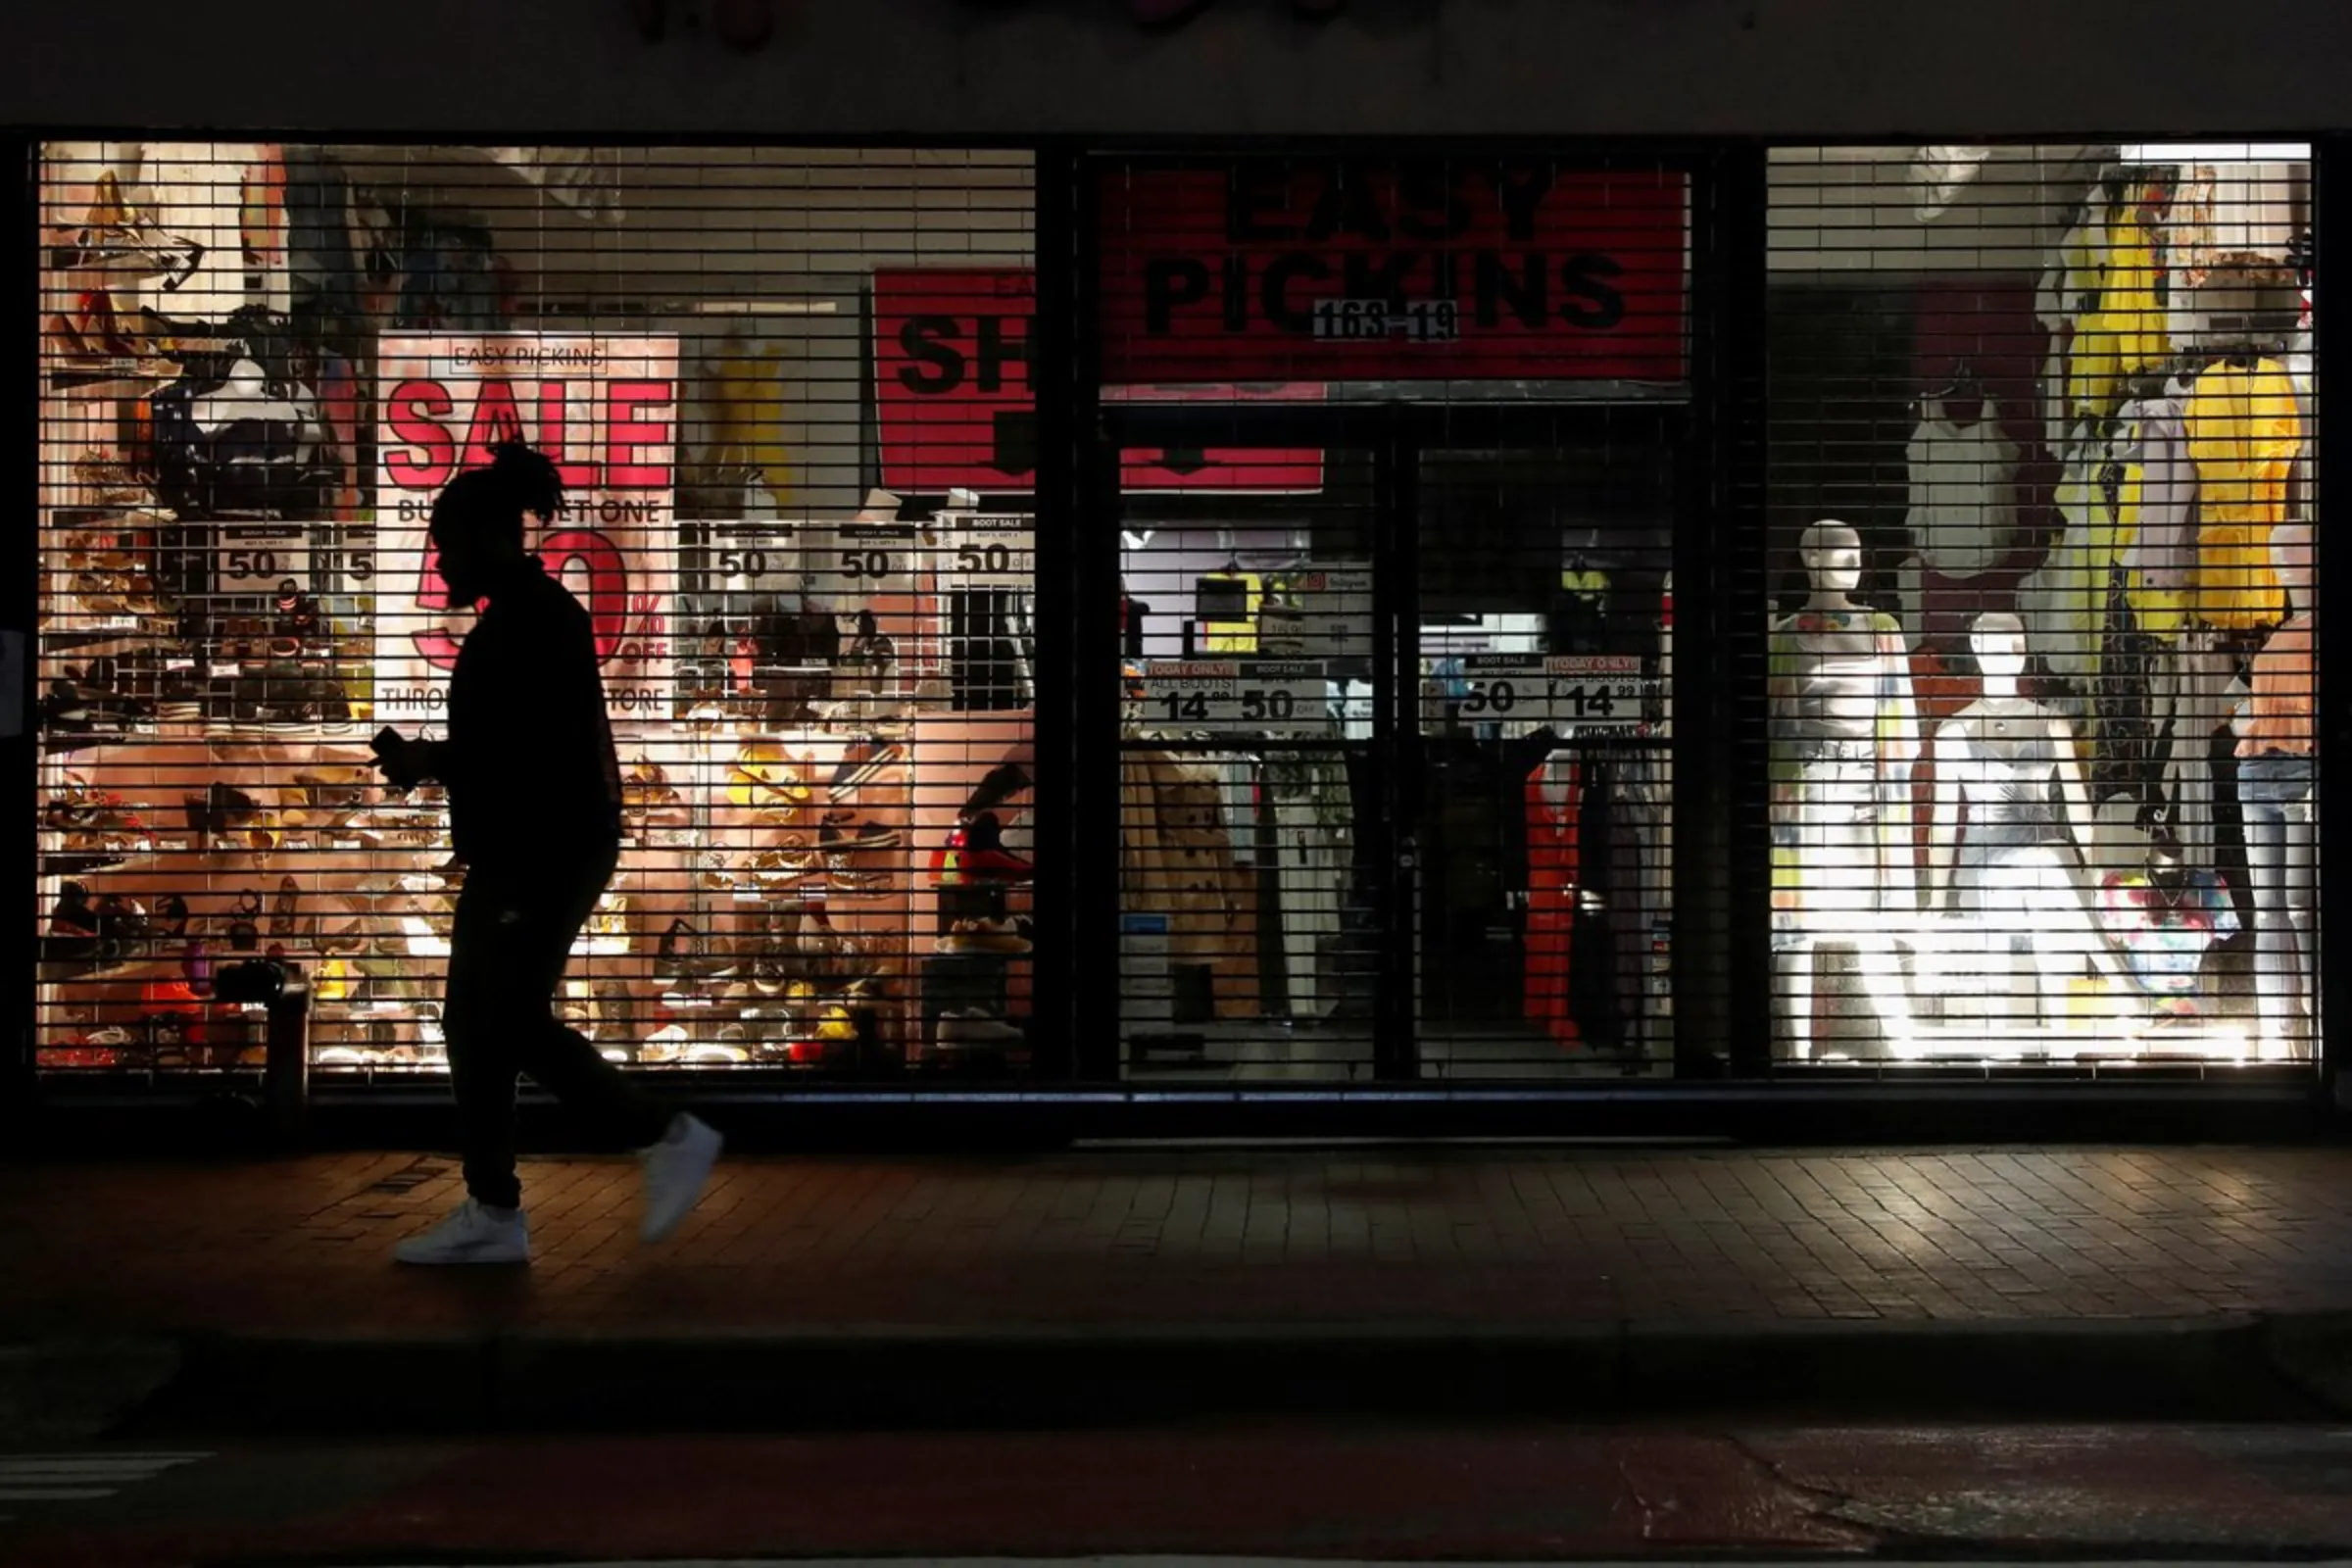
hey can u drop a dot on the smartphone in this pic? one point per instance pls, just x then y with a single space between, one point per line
388 740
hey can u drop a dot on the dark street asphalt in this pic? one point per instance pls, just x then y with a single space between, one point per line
1261 1490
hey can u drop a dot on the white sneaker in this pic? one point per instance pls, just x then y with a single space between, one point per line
472 1234
675 1169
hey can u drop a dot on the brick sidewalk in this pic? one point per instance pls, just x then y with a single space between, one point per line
1140 1238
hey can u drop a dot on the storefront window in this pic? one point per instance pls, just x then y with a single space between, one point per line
1398 483
788 395
2041 677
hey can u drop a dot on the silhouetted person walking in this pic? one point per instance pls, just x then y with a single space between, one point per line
534 804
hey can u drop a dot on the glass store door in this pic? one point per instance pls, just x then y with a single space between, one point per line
1536 775
1259 937
1393 760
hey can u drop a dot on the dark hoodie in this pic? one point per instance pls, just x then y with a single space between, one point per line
533 781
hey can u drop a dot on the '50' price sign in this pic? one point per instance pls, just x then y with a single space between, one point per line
979 549
255 561
1282 697
754 558
856 561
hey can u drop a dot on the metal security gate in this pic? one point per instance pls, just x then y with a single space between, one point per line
1396 792
788 393
2040 483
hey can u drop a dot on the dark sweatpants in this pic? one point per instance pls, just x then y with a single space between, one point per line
509 943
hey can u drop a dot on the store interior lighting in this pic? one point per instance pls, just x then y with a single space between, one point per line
764 308
2218 152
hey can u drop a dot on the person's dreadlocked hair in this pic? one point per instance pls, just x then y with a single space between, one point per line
493 500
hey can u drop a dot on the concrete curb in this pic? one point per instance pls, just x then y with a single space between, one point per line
2236 1367
73 1390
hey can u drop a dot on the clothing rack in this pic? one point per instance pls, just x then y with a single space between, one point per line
1963 380
2192 362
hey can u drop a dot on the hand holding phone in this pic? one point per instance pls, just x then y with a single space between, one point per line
400 760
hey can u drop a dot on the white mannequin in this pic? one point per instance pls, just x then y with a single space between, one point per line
2018 876
2276 731
1845 734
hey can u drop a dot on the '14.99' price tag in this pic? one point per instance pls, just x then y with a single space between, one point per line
1190 694
1590 689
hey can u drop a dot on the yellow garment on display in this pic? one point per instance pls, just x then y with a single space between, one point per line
2243 434
2127 335
747 431
2160 612
1234 636
2081 256
1593 587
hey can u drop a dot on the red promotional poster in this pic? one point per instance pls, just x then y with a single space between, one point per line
1329 270
952 358
606 409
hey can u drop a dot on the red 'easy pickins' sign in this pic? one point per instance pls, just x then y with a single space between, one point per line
952 354
1513 269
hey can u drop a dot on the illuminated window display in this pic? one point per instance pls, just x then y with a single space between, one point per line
2041 664
1996 745
261 364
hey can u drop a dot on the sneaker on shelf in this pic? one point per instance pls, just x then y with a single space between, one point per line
1005 781
965 1028
787 861
676 1169
837 836
984 857
842 877
984 936
835 1023
766 774
996 866
664 1046
473 1233
861 762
